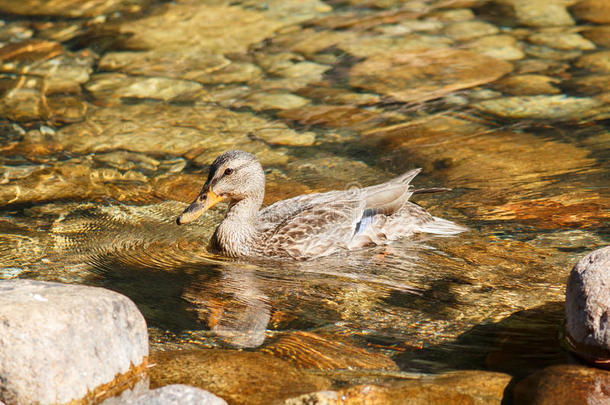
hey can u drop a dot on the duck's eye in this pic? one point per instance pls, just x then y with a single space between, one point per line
228 171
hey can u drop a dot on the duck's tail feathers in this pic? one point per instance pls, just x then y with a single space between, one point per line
431 190
442 227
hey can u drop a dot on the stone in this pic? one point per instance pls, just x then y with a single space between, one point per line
596 11
238 377
527 85
68 8
332 116
460 387
589 85
544 107
423 75
365 46
465 30
60 343
540 13
310 350
588 307
273 101
503 47
178 394
599 35
595 62
564 385
114 86
561 40
546 52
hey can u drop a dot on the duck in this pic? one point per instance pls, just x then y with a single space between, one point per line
311 225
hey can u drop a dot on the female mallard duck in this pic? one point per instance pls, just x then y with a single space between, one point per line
310 225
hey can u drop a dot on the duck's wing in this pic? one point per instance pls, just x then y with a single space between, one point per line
317 226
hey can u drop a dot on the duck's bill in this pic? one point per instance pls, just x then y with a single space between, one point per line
204 201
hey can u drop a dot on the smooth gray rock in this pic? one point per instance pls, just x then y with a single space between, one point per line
178 394
588 305
58 341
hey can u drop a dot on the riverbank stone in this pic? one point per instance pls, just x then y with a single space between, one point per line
178 394
59 343
588 307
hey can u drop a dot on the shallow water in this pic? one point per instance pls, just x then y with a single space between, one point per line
112 115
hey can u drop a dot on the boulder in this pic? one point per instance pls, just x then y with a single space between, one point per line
59 343
178 394
588 307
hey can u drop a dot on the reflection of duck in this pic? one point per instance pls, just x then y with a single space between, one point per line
311 225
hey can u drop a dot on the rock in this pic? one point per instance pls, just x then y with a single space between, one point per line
504 47
564 385
114 86
273 101
178 394
595 62
460 387
540 13
527 85
561 40
333 116
239 377
589 85
465 30
588 307
59 343
596 11
599 35
419 76
544 107
68 8
452 15
309 350
365 46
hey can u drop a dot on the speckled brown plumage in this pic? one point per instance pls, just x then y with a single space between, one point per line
311 225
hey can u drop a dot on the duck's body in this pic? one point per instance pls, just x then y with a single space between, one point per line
311 225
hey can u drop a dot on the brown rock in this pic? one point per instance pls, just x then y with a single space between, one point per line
418 76
332 116
461 387
597 11
29 51
66 8
309 350
599 35
590 84
522 85
595 62
238 377
565 385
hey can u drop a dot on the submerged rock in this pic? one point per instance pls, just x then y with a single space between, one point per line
539 13
68 8
239 377
178 394
588 307
419 76
504 47
544 107
59 343
595 62
564 385
526 85
597 11
460 387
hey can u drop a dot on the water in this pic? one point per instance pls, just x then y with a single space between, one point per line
100 155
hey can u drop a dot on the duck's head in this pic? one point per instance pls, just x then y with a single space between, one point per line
235 175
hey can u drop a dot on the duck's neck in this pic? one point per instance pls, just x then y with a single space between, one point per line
237 232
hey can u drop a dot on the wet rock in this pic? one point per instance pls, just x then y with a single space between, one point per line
177 394
24 102
67 8
454 15
599 35
418 76
332 95
239 377
309 350
27 51
333 116
461 387
545 52
114 86
561 40
597 11
588 307
543 107
465 30
273 101
526 85
564 385
595 62
236 72
167 129
541 66
590 84
365 46
65 108
504 47
60 343
540 13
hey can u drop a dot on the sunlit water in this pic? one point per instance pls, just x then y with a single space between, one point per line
534 194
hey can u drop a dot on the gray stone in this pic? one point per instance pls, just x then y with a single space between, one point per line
588 305
178 394
58 343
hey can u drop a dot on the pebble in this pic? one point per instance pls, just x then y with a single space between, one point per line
465 30
595 62
595 11
561 40
504 47
557 107
527 85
